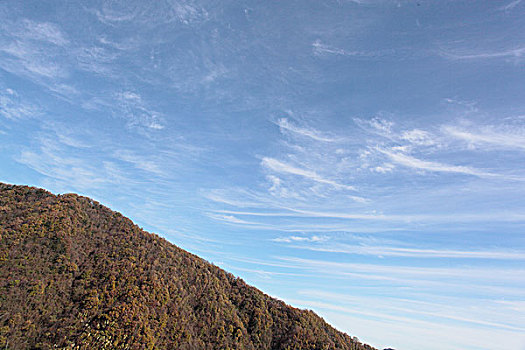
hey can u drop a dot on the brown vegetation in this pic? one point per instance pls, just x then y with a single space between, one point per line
76 275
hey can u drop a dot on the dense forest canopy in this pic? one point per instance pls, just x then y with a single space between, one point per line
77 275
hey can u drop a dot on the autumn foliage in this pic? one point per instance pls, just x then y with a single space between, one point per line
77 275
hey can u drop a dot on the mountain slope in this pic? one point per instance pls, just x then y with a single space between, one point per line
74 274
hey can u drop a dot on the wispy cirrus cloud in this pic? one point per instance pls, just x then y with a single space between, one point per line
25 49
136 111
146 164
415 163
67 137
501 137
232 219
97 59
66 171
130 106
186 12
12 106
28 60
42 53
320 49
407 274
291 239
511 5
418 137
411 309
285 168
286 124
428 319
407 148
391 251
463 217
44 31
516 54
235 197
67 160
392 150
376 125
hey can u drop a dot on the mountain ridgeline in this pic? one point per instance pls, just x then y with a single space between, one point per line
77 275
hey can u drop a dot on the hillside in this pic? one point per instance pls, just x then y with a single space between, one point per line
77 275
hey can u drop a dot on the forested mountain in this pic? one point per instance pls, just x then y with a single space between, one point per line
77 275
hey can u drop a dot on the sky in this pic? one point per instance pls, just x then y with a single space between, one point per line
364 159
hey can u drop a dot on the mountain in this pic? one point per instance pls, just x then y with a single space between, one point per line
77 275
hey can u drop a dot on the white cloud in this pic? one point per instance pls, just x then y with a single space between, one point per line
230 219
26 44
285 124
27 59
417 253
97 60
418 137
429 218
277 188
41 52
359 199
130 96
67 136
140 162
280 167
514 305
185 12
319 48
511 5
411 309
382 125
14 107
28 31
476 324
132 106
510 137
516 53
109 16
415 163
383 169
43 31
69 171
411 274
231 197
291 239
467 107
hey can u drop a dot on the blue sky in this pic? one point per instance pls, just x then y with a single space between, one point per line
364 159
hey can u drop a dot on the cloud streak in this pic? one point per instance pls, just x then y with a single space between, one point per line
13 107
415 163
383 251
513 138
285 124
43 31
284 168
511 5
409 309
453 217
388 272
516 53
